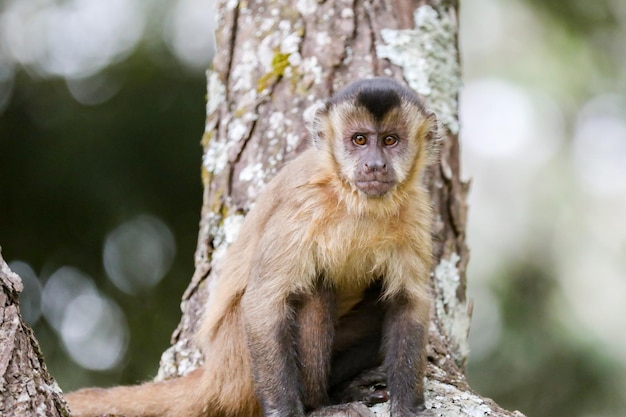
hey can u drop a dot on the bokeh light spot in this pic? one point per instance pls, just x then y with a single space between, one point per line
138 254
600 145
189 32
30 298
75 38
94 332
64 285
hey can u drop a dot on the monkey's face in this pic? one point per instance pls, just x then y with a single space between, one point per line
378 134
373 155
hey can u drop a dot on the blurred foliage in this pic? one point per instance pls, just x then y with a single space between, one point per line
545 362
548 372
71 173
580 17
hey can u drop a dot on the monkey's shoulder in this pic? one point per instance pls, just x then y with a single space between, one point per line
295 186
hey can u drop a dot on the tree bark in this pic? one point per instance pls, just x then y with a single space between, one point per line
26 388
277 59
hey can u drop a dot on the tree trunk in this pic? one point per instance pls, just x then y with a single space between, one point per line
26 388
276 59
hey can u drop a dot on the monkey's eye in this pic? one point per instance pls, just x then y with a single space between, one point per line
390 140
359 140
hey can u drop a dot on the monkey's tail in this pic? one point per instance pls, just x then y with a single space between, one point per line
175 397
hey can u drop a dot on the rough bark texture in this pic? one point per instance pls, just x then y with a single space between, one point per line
26 388
276 59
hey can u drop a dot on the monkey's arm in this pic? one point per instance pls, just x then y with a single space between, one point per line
315 335
270 325
288 320
290 342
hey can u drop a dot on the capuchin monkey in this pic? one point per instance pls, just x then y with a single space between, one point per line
324 297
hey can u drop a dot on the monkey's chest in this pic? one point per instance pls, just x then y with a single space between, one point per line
351 260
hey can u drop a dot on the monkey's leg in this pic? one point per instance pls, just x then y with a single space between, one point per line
347 364
356 374
316 318
358 340
404 336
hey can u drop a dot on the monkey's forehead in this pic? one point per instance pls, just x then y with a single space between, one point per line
378 95
378 102
349 115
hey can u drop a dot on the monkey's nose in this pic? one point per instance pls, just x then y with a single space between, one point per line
375 166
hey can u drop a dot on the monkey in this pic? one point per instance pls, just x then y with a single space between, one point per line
327 287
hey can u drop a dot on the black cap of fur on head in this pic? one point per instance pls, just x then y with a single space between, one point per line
378 95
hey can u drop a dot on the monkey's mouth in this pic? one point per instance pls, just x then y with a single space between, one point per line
374 188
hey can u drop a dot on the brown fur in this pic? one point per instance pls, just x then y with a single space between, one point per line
292 284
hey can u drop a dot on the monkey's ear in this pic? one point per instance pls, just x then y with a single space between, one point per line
434 136
314 118
434 132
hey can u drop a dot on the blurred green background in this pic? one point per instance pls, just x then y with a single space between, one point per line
101 112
